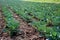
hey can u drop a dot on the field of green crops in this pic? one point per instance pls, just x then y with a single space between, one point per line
45 17
51 1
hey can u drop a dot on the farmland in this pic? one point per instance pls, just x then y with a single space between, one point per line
29 20
49 1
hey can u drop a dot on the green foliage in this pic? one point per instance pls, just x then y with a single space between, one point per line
45 12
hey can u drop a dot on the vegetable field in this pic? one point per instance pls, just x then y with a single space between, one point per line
24 20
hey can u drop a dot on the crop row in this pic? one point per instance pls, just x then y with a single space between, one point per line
11 23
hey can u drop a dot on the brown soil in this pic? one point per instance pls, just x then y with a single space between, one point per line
29 32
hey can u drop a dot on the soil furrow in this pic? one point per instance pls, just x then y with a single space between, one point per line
29 31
